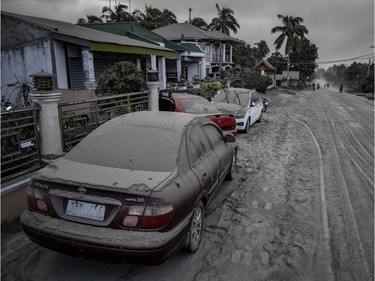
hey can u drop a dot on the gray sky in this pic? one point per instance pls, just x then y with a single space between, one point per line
341 29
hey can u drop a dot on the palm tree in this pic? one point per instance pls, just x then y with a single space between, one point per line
119 14
263 49
168 17
225 21
292 32
90 19
151 18
196 21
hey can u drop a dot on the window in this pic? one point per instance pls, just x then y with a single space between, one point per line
254 97
198 139
214 135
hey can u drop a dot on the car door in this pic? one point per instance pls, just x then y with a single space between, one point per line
220 147
255 109
203 161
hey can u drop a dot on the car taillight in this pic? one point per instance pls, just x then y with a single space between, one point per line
36 199
150 217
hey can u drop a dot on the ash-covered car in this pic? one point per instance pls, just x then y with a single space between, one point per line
188 103
133 191
244 104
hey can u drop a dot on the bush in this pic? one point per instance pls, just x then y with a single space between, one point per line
253 80
209 90
237 83
120 78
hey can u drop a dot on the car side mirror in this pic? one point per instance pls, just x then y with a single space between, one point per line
229 138
252 103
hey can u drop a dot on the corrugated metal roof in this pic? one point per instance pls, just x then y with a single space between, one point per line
80 32
178 31
137 32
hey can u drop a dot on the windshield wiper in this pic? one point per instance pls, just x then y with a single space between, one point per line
239 101
226 95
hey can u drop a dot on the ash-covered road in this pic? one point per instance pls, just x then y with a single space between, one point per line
301 206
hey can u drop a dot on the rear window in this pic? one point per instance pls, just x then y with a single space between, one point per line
129 147
198 106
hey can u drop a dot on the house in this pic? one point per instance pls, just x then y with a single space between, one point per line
184 51
77 55
216 46
264 67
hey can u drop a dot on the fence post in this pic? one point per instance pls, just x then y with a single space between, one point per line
49 125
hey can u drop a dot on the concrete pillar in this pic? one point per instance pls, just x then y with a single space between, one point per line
162 73
153 62
179 68
153 96
49 125
88 68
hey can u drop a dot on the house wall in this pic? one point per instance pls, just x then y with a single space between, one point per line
193 69
19 64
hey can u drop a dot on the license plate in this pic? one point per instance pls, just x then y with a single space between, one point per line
85 210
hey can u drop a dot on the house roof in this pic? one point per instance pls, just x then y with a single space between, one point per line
178 31
96 40
137 32
264 65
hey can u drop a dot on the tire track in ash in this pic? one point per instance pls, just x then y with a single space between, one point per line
326 248
354 243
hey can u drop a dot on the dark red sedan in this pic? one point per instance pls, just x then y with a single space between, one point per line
183 102
134 190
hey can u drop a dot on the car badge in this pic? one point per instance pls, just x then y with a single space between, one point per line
82 190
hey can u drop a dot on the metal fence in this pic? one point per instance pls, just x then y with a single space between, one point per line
20 148
77 119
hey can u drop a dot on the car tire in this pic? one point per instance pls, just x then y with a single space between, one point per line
196 229
247 127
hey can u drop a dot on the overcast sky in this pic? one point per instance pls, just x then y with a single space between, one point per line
341 29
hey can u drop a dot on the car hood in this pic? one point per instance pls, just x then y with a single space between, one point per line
114 178
229 108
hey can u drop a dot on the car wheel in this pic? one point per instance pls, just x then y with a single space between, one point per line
196 228
260 117
247 128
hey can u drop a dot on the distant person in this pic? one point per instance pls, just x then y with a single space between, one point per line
313 85
318 86
327 85
341 87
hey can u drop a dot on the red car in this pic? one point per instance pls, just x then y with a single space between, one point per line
183 102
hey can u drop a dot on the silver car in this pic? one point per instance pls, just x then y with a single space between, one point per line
244 104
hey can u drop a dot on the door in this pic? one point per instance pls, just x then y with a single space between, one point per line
203 160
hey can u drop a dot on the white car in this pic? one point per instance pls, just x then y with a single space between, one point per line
244 104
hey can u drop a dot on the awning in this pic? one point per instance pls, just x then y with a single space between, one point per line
114 48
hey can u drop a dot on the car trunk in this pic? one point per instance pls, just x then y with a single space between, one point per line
94 195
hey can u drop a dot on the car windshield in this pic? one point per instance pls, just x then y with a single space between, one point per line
233 96
198 106
129 147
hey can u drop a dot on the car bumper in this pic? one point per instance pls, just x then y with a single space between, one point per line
240 124
103 244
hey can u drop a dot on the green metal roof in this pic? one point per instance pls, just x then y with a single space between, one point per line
135 31
192 47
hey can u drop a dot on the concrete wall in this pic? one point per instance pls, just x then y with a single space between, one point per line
15 202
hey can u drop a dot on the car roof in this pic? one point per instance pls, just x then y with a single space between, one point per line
156 119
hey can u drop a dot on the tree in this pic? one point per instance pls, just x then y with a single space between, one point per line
196 21
304 59
120 78
89 19
225 21
151 18
168 17
292 33
244 55
278 61
263 49
119 14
